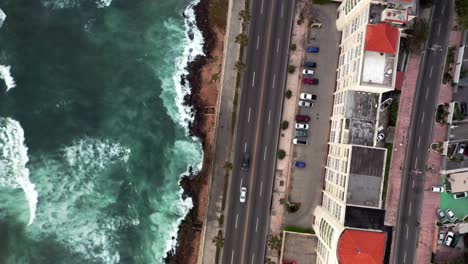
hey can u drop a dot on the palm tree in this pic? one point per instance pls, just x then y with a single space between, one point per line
242 39
274 242
218 240
228 165
239 66
244 15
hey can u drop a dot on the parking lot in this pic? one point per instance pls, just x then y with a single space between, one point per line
458 135
306 184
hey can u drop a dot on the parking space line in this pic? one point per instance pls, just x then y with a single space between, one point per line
261 188
248 117
277 46
237 218
269 117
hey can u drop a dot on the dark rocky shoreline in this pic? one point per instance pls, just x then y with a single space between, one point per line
191 184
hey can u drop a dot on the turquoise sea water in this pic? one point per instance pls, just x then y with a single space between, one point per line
93 136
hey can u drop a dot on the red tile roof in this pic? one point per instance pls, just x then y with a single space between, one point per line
381 38
363 247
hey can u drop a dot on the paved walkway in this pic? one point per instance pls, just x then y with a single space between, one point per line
431 201
223 134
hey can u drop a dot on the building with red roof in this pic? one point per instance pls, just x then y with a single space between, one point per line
382 38
364 247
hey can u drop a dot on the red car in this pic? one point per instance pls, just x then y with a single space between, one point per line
310 80
302 118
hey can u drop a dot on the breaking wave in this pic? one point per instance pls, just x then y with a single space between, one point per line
13 159
6 76
2 17
60 4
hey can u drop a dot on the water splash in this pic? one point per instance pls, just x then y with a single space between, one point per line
6 76
2 17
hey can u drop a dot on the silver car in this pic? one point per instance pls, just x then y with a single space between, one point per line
305 103
243 194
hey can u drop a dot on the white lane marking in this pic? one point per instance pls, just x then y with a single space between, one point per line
237 218
277 46
422 118
245 147
419 141
253 79
404 258
240 187
427 93
232 256
430 74
248 118
256 226
410 206
413 185
253 257
407 232
443 10
282 9
258 40
274 77
416 163
261 188
269 116
261 10
264 153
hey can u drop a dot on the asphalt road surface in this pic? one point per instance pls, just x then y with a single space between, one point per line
427 93
262 91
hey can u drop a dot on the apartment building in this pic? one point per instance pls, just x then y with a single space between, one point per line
347 222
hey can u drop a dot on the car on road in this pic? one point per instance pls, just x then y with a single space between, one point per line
305 103
449 238
311 81
243 194
307 72
302 126
297 141
437 189
310 64
463 108
460 195
245 162
313 49
450 214
440 238
308 96
380 137
299 164
302 118
440 213
301 133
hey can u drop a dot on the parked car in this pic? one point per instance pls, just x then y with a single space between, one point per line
380 137
302 126
307 72
302 118
461 148
450 214
307 96
245 162
449 238
310 64
437 189
463 108
312 49
441 214
311 81
460 195
243 194
440 238
301 133
297 141
305 103
299 164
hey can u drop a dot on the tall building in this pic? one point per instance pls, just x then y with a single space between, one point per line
347 223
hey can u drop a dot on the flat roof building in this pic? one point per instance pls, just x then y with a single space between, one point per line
457 182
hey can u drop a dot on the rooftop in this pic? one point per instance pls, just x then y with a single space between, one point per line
457 182
366 176
407 5
361 114
364 218
356 246
382 38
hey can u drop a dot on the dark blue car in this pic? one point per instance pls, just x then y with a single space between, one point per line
312 49
299 164
310 64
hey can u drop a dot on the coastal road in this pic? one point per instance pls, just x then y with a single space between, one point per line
257 130
420 134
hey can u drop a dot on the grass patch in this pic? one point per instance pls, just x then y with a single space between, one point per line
299 230
218 13
449 60
387 170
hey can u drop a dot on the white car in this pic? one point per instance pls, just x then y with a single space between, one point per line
450 214
437 189
297 141
460 195
305 103
307 72
449 238
243 194
302 126
307 96
440 238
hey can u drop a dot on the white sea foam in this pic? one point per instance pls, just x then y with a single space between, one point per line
60 4
76 194
193 47
5 74
2 17
103 3
13 159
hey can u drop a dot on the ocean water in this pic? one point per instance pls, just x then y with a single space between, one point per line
93 133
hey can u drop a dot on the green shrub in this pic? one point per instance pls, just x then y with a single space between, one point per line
291 68
293 47
288 94
281 154
284 125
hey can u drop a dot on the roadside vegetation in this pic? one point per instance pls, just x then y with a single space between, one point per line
299 230
281 154
288 94
418 35
442 114
284 125
457 113
291 68
218 13
461 7
449 61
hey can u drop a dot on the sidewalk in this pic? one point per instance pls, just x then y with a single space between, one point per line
431 201
223 135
